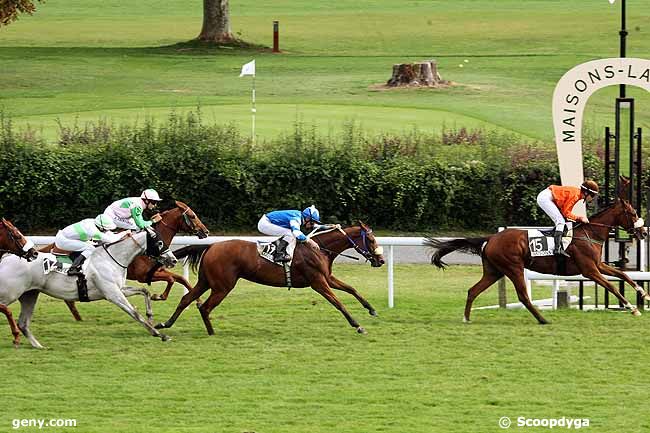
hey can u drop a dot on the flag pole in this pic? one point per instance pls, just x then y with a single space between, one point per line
253 111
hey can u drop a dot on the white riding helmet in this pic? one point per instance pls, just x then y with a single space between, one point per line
150 194
103 222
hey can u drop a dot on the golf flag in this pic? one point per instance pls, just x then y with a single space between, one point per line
249 68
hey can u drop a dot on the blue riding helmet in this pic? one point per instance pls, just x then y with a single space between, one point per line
311 213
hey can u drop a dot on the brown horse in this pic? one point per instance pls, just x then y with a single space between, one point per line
12 241
507 253
223 263
143 269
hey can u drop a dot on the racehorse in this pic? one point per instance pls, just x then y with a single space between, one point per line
223 263
105 273
507 253
12 241
144 269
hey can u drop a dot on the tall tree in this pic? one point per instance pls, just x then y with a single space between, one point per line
10 9
216 18
216 22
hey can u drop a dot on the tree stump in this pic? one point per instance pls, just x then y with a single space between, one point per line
416 74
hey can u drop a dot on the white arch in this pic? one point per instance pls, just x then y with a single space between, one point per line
569 101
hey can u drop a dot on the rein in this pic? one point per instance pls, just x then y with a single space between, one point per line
106 246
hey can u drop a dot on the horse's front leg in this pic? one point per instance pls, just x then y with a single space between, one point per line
73 309
12 324
170 278
598 278
321 286
130 291
337 284
606 269
113 294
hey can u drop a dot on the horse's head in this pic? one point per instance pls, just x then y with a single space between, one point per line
157 249
13 241
627 218
366 245
182 218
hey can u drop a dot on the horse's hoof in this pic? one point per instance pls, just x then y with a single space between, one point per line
160 325
165 337
157 297
544 322
636 312
646 297
466 320
360 330
373 313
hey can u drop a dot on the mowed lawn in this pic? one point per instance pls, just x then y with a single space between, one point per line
286 361
78 61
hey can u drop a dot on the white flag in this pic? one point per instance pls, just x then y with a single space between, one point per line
248 69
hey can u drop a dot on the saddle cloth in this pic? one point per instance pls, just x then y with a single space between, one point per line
59 263
266 250
541 245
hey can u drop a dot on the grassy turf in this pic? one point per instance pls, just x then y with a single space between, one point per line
75 59
288 362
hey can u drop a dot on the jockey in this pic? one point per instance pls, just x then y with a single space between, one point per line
558 201
127 213
286 223
81 237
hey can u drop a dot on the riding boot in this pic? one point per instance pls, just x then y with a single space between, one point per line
75 269
280 254
559 249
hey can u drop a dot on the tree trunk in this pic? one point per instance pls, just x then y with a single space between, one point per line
216 22
416 74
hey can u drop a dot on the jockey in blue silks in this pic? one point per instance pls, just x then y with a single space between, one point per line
287 224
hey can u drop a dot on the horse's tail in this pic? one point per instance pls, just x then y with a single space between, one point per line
194 253
466 245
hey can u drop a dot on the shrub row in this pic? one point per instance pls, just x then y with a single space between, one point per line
230 183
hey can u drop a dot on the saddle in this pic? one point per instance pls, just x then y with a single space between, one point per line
541 243
267 250
60 262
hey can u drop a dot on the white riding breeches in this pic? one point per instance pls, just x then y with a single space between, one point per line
545 201
268 228
84 247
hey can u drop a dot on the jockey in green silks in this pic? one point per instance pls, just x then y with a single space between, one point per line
127 212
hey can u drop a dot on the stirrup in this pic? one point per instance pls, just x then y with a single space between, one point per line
561 252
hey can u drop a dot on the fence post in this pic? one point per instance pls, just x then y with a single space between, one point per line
502 287
391 301
186 274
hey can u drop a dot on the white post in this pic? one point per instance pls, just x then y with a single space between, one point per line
253 111
186 274
391 301
556 288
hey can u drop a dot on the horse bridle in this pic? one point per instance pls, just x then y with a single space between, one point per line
23 249
364 237
188 222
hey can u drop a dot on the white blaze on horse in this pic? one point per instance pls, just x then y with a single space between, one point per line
105 272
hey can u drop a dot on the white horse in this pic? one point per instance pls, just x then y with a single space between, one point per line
105 272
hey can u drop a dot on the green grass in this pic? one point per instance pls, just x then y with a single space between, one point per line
76 59
286 361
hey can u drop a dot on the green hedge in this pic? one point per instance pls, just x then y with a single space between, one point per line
230 183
